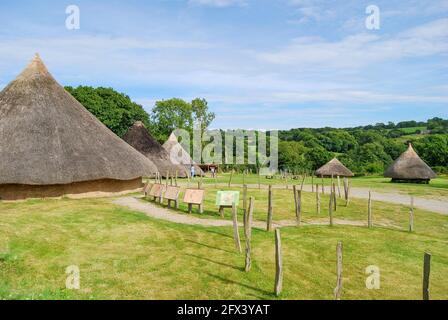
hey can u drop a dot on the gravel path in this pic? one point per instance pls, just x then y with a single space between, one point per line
155 211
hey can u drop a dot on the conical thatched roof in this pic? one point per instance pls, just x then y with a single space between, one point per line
172 145
140 138
409 166
334 168
47 137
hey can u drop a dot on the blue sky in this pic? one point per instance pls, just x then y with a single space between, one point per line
261 64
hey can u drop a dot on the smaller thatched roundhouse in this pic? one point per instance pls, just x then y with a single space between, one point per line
172 146
334 168
140 138
409 167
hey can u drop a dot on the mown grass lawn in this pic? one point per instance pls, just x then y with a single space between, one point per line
126 255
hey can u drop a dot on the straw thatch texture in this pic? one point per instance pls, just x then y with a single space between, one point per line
140 138
48 138
172 146
334 168
409 166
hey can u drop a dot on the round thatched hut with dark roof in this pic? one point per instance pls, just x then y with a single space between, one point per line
51 146
139 137
409 167
334 168
173 147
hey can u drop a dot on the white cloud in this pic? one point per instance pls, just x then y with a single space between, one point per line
218 3
363 49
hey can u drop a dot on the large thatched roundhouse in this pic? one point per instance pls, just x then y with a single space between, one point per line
139 137
51 146
172 146
334 168
409 167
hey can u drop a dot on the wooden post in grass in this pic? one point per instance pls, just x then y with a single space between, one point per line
259 179
294 190
323 187
303 182
269 222
299 208
248 233
335 200
411 216
317 199
244 177
338 289
339 187
236 234
244 200
230 179
369 211
426 273
278 264
345 188
330 208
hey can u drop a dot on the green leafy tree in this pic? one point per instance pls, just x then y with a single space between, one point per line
168 115
115 110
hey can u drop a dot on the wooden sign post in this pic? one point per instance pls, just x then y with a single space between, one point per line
194 197
157 191
172 195
226 199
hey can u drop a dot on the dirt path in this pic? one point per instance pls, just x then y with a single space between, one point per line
155 211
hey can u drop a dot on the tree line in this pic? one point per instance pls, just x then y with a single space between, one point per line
365 149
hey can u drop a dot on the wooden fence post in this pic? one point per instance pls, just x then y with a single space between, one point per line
278 263
411 216
426 273
244 201
303 182
345 188
335 200
317 199
236 234
299 208
294 190
339 187
338 289
330 208
323 186
248 233
231 176
270 209
369 211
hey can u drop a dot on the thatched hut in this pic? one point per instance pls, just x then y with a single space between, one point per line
409 167
51 146
172 146
139 137
334 168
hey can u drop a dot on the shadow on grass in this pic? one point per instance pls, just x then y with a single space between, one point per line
220 234
208 246
216 262
267 294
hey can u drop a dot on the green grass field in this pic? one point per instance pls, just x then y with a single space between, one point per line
126 255
436 189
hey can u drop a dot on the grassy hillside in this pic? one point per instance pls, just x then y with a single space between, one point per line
126 255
